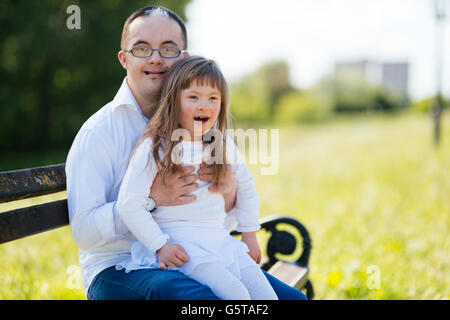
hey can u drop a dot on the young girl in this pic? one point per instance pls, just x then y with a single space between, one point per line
192 238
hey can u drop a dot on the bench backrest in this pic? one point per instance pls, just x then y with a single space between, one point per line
28 183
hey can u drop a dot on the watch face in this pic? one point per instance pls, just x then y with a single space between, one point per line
150 204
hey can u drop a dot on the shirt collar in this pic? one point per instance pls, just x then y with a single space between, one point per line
125 98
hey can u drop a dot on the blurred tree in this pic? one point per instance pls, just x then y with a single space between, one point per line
275 79
255 97
297 106
52 78
301 106
249 101
425 105
353 93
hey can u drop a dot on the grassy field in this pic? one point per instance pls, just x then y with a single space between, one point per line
373 192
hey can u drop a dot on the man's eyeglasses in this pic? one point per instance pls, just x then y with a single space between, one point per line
165 52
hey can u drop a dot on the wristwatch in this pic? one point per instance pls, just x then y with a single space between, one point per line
150 204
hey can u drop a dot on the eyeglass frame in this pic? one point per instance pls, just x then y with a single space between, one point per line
152 50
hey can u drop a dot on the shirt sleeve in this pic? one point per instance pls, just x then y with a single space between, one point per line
133 195
246 208
90 175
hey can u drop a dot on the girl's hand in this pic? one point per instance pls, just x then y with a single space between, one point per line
228 188
171 255
249 238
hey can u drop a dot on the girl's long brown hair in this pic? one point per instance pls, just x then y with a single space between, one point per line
165 120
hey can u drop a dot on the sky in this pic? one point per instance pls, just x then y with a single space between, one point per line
311 35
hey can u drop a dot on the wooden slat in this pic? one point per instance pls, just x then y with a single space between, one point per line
24 222
289 273
27 183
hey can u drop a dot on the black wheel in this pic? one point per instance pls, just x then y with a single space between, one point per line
309 290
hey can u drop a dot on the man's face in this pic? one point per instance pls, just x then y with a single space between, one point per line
145 75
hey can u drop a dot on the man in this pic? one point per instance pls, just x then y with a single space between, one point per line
153 39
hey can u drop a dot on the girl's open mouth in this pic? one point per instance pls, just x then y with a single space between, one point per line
201 118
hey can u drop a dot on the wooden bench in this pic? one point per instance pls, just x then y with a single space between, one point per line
33 182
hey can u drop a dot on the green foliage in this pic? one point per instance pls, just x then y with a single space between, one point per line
249 102
353 93
425 105
254 97
52 78
300 106
266 95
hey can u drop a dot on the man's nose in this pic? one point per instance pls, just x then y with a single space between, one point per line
155 58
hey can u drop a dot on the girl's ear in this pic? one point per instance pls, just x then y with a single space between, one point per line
122 59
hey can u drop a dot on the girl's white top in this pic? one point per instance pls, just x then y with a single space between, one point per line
208 210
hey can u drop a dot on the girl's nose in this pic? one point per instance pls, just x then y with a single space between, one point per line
202 105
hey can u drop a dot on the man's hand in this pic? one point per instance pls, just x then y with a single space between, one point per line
177 186
228 188
249 238
171 255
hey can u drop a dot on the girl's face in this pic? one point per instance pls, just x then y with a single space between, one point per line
199 109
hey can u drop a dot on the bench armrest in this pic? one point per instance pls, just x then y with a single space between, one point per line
282 241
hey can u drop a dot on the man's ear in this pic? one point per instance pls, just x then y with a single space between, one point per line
186 54
122 59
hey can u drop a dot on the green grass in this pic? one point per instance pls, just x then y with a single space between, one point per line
372 191
374 194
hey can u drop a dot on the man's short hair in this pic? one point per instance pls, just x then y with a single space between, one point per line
153 11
